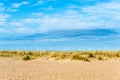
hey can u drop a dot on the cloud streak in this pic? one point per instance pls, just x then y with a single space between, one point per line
17 5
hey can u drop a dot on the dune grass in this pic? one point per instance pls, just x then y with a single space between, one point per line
58 55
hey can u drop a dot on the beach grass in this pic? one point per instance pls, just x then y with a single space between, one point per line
58 55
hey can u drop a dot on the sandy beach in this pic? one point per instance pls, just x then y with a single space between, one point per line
42 69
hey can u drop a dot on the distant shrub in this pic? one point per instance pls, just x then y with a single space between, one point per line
100 58
76 57
63 56
98 52
86 59
54 54
118 54
91 55
26 57
5 55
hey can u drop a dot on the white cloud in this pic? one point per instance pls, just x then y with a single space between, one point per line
4 8
41 2
15 24
24 3
3 16
102 15
37 14
3 19
50 8
3 23
108 12
2 30
17 5
8 9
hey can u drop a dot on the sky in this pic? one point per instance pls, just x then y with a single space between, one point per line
25 21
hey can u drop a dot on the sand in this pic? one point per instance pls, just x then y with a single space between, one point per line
42 69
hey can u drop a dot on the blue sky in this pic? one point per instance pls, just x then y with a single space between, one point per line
25 16
20 18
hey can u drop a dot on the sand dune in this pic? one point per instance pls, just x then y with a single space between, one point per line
41 69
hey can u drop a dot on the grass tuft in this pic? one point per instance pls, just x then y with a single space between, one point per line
26 57
86 59
100 58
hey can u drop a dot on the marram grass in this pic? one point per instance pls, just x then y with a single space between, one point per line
58 55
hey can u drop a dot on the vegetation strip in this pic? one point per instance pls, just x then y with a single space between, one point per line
58 55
